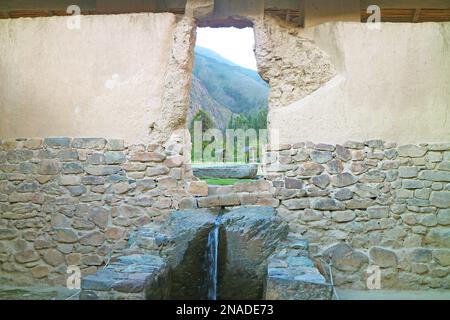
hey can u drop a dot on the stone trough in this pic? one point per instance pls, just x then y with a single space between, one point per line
253 258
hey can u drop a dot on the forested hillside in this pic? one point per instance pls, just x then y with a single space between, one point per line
231 96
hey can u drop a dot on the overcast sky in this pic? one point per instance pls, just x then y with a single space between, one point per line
233 44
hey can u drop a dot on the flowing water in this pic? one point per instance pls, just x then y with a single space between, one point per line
212 253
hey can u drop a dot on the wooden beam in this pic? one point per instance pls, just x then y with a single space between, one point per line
392 15
417 15
301 22
434 15
28 13
44 5
406 4
411 15
283 4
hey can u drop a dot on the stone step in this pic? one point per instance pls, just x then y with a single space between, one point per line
232 171
292 275
202 189
135 277
214 190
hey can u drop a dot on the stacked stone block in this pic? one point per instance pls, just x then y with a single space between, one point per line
258 192
67 201
73 201
292 275
389 204
135 277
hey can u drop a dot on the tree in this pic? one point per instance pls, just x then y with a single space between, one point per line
206 122
257 120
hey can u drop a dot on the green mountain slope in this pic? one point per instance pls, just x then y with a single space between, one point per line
201 100
224 89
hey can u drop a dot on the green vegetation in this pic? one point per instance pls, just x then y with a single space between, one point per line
227 96
205 118
257 119
207 123
238 89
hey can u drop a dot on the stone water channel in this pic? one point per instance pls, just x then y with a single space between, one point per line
244 253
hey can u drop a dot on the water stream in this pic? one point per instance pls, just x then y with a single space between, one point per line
212 253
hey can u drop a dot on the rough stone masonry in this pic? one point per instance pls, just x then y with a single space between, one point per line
371 203
70 201
76 201
67 201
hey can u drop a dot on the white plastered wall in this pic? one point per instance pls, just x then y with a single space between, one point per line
392 84
104 80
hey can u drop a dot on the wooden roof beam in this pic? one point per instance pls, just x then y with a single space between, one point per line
407 4
417 15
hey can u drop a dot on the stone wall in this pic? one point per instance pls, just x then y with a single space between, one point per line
293 65
74 201
371 203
